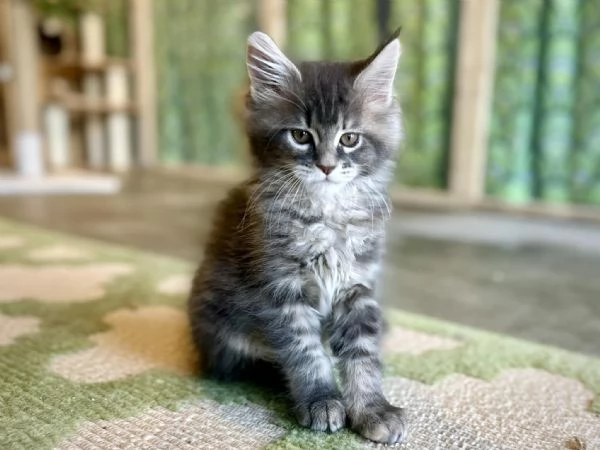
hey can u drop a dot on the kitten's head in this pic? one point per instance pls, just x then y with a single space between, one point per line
328 123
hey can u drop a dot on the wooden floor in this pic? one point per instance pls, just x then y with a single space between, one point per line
535 279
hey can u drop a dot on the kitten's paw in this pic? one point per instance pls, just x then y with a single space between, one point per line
323 415
383 423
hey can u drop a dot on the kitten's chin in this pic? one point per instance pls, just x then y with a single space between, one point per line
319 185
327 187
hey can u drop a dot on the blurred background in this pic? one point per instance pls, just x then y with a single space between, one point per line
120 120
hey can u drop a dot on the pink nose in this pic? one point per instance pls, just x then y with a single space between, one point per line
326 169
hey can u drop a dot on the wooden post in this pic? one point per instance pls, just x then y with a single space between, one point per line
272 19
142 50
57 135
94 138
118 123
6 78
472 98
91 26
93 37
27 137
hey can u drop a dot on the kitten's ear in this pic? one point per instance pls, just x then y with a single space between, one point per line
376 79
268 68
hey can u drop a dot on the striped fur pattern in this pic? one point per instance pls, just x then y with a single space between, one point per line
288 283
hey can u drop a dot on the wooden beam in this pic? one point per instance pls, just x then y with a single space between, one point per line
66 182
272 19
587 213
472 98
142 51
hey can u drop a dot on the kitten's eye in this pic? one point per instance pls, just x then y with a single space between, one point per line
301 137
349 140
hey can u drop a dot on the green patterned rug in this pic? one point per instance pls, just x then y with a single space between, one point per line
95 354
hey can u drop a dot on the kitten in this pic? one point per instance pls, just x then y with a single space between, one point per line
291 266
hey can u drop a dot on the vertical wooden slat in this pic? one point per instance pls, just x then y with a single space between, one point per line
142 50
472 98
25 63
6 57
26 101
272 19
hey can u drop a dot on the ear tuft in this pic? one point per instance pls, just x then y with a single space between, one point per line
376 80
268 68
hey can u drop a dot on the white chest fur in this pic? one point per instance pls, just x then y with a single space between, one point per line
329 247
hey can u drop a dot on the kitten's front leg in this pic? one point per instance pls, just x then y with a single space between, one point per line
294 332
355 337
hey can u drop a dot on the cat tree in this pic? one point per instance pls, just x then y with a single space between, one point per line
45 158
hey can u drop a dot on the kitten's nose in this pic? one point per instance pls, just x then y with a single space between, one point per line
326 169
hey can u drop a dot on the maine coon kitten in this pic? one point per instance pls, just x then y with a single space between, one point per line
291 266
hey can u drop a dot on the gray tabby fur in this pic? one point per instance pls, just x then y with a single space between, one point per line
289 275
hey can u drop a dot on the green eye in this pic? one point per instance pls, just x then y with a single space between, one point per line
349 139
301 137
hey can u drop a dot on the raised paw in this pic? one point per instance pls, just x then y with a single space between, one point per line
323 415
383 423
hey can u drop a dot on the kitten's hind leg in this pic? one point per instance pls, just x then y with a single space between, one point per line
236 360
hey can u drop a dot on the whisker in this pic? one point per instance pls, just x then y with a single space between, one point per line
288 182
262 188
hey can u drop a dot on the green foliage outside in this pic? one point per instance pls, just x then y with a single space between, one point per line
546 114
200 48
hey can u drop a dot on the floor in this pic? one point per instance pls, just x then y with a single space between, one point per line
534 279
